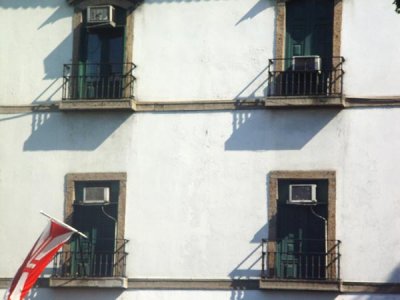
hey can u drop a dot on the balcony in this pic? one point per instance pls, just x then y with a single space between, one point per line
305 84
89 266
97 86
300 264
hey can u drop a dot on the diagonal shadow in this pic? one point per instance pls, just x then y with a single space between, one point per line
16 4
53 62
260 6
68 293
74 132
250 266
58 14
276 129
257 84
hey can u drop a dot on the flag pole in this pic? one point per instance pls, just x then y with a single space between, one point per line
63 224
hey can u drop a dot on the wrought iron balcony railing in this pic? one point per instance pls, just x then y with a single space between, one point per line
301 259
87 262
106 81
285 80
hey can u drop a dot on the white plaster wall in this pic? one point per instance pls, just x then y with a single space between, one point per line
369 222
185 50
36 42
191 50
40 150
370 47
197 194
204 197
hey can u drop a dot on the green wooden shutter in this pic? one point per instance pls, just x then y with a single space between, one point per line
309 27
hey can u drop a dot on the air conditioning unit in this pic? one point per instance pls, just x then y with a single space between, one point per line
306 63
96 195
101 15
302 194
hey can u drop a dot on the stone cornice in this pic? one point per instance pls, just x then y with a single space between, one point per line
199 105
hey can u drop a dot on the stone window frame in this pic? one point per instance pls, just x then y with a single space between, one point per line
274 178
279 55
72 178
77 23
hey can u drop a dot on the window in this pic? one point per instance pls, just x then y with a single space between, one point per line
301 243
308 61
309 28
102 69
95 205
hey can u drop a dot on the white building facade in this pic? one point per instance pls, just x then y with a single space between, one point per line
236 149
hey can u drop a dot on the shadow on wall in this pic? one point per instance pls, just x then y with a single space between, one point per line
259 84
250 266
394 276
64 294
14 4
276 129
241 294
48 93
55 60
260 6
73 132
58 14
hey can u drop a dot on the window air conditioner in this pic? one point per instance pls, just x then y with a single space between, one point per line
306 63
302 194
101 15
96 195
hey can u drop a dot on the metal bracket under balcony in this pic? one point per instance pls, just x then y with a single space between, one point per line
305 81
97 86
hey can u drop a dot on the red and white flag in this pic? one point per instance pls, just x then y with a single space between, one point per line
52 238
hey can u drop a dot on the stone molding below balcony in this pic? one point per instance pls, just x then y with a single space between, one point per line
106 104
338 286
372 101
303 101
300 285
95 282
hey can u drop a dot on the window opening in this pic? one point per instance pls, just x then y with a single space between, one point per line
301 220
308 67
301 233
95 256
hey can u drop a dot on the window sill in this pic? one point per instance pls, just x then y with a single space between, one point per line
90 282
300 285
106 104
303 101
